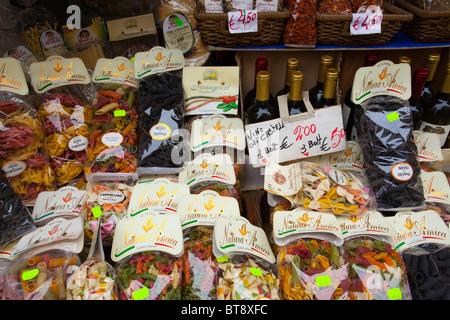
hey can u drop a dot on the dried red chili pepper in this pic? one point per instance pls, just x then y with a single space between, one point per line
301 27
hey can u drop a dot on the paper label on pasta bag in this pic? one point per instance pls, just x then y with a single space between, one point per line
160 195
204 208
14 168
367 223
352 157
283 180
435 186
57 71
131 27
211 90
52 43
80 38
67 201
217 131
428 146
55 230
415 228
157 59
149 231
119 70
12 78
384 78
238 236
208 167
177 32
298 222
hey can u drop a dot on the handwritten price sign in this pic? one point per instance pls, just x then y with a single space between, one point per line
243 21
366 23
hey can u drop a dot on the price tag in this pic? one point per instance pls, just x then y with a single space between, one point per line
30 274
323 281
96 211
394 294
256 272
366 23
140 294
243 21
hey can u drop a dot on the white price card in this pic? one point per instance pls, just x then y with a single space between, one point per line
243 21
366 23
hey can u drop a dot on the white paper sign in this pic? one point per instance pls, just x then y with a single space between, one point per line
366 23
243 21
279 141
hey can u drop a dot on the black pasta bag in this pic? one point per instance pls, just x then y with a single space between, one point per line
161 102
15 218
384 126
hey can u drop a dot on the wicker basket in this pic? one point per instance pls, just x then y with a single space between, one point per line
334 29
427 26
214 30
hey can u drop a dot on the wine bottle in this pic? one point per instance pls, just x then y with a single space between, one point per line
349 107
328 97
418 81
316 92
295 101
291 65
263 109
431 64
404 59
436 110
261 64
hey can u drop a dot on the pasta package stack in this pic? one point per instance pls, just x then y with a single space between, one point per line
63 88
376 269
246 261
310 262
149 267
22 156
113 143
198 213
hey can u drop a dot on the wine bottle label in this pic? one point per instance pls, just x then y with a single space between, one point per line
441 130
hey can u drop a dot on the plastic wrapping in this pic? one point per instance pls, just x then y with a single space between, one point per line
428 269
362 5
244 277
21 148
161 112
301 27
199 265
150 275
65 117
337 190
112 197
431 4
384 126
376 270
335 7
312 269
40 277
113 143
15 219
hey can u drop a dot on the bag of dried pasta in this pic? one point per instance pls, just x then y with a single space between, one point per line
113 142
310 261
246 272
62 105
335 7
21 138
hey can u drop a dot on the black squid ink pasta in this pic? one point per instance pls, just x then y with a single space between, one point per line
161 113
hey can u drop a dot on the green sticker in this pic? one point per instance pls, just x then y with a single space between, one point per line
394 293
393 116
222 259
178 22
29 274
256 272
132 59
97 212
120 113
323 281
140 294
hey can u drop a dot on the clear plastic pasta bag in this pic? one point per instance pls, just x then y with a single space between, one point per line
376 270
112 198
428 269
40 276
199 265
336 190
150 275
15 218
113 143
65 116
21 148
244 277
312 269
384 126
161 117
